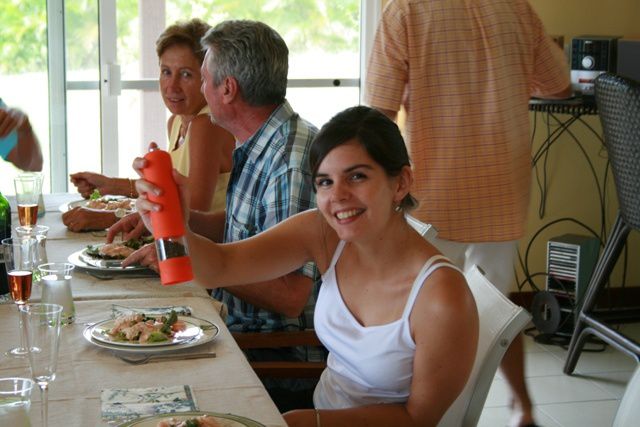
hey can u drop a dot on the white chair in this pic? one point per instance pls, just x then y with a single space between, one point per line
427 231
628 414
500 322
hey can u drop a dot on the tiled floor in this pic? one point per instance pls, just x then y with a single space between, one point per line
589 398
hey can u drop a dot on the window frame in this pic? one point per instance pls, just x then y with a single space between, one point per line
111 85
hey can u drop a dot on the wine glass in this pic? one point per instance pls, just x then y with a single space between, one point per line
41 324
28 189
20 261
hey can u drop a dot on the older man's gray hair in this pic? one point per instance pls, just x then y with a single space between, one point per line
254 54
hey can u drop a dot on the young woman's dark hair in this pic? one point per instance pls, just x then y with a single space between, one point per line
378 134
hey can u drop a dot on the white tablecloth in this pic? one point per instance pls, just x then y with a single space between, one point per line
224 384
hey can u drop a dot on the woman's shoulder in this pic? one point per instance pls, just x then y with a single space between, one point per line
203 132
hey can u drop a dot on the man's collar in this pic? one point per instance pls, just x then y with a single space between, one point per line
280 115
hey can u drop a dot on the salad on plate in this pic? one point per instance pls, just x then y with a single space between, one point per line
141 329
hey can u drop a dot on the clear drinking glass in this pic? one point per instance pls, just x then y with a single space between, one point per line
28 189
41 324
15 400
39 232
20 260
55 279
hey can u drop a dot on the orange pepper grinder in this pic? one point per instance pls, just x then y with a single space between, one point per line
168 222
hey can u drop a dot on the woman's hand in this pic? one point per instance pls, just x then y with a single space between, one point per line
130 226
144 206
86 182
79 219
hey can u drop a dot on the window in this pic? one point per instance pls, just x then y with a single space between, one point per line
105 99
23 73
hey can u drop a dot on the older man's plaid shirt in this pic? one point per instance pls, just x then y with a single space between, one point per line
270 181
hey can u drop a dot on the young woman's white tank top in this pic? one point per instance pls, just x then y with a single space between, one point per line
366 365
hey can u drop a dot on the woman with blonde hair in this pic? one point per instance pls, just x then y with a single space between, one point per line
199 149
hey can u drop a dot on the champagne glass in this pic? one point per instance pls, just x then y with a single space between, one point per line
42 329
20 260
28 190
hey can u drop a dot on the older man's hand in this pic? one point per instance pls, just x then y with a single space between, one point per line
146 256
79 219
130 226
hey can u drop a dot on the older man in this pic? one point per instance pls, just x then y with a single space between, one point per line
244 80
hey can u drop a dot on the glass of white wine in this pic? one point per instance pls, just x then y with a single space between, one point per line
20 257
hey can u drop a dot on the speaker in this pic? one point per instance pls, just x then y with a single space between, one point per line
590 57
571 259
628 64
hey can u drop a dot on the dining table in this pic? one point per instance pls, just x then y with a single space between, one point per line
87 283
88 369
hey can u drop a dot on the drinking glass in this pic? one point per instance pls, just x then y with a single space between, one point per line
15 400
39 232
42 329
55 279
28 190
20 261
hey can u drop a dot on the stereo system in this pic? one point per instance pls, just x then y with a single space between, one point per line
590 57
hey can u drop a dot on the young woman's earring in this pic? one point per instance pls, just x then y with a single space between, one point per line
398 208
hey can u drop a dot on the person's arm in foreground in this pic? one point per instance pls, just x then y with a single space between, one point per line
444 325
286 294
269 255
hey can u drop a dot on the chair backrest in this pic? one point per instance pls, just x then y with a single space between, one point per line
618 101
427 231
628 414
500 322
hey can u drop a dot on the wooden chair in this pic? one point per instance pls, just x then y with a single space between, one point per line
618 101
500 322
281 339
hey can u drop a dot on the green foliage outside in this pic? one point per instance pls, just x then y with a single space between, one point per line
327 25
23 36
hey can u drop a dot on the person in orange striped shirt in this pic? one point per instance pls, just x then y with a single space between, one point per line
464 71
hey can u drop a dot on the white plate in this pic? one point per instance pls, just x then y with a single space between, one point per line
82 260
209 332
225 420
99 332
83 204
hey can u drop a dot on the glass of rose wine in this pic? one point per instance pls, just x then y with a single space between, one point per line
28 188
20 257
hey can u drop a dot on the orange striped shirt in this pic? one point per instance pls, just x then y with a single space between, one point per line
465 70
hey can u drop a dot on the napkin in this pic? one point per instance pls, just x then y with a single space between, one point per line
120 405
120 310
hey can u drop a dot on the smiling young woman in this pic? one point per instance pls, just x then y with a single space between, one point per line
398 319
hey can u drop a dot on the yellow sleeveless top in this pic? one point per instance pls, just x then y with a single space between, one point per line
180 159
